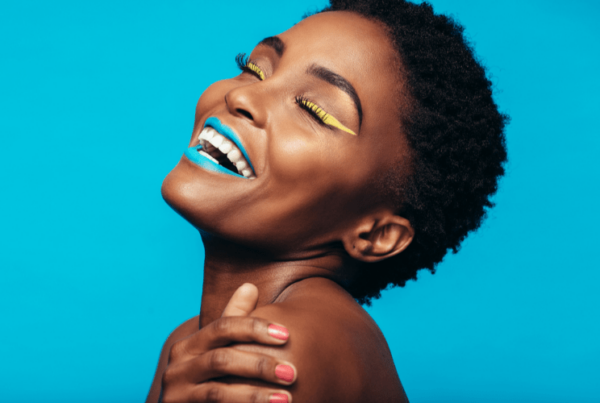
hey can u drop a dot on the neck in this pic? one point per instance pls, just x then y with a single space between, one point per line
227 266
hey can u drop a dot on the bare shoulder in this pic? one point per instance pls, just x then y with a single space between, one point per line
182 331
339 351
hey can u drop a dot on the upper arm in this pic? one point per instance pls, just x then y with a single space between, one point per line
338 350
185 329
336 358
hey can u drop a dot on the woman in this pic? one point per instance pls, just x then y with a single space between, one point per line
353 150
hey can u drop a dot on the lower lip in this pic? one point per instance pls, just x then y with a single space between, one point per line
193 155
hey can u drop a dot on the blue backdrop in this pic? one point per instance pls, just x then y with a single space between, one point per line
96 269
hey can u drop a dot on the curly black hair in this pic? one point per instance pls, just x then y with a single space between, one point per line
455 133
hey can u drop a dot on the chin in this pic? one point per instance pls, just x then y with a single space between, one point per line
172 192
181 192
203 198
241 211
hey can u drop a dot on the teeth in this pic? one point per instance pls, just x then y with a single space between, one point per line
225 147
210 140
206 134
217 140
208 156
241 165
234 155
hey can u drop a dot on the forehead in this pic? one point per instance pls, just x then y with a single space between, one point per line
352 46
341 35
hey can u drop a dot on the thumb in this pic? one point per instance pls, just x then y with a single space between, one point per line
243 301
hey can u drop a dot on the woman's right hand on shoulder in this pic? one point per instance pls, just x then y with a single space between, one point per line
196 362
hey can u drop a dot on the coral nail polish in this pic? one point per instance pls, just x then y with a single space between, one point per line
279 332
284 372
278 398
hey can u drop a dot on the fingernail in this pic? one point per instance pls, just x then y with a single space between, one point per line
284 372
279 332
278 398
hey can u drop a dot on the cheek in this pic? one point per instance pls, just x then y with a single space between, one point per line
300 155
293 160
314 182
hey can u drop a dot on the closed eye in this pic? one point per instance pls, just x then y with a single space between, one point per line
320 115
246 65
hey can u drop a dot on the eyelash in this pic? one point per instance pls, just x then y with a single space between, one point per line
243 62
313 109
246 65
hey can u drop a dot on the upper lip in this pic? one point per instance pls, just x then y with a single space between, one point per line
230 134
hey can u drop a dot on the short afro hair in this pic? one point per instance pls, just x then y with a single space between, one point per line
455 133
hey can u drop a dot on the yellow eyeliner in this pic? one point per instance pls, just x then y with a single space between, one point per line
326 118
256 69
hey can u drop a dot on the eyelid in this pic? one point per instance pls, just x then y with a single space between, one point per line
245 64
254 67
322 115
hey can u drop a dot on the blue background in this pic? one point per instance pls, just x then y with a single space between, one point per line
96 106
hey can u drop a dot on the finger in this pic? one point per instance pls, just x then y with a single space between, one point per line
219 392
233 329
229 361
243 301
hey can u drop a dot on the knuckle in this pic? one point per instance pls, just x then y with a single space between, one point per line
176 350
214 394
257 326
168 377
172 353
223 326
262 365
219 359
169 397
256 396
173 377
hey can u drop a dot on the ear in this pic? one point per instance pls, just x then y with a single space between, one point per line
378 237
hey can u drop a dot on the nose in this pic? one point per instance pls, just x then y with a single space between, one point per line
247 103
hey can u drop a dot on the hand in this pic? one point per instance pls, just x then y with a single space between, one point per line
195 362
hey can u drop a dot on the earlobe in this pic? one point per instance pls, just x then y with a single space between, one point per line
379 238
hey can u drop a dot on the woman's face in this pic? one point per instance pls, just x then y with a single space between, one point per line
296 112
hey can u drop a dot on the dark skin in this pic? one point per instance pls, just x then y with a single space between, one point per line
298 229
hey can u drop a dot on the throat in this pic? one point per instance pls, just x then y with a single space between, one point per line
229 265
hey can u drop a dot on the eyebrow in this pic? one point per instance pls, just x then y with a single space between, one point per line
320 72
275 43
335 79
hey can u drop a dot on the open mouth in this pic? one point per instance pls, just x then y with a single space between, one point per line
220 150
224 152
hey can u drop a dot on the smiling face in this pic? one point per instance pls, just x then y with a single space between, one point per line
316 112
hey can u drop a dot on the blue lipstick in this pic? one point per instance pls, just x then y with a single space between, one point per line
228 133
194 156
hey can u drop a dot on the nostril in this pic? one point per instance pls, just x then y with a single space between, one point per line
245 113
